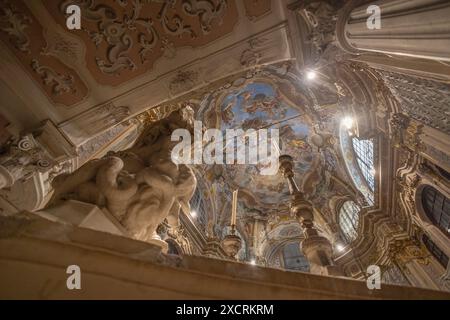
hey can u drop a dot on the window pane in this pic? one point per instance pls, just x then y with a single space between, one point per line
437 208
349 220
364 156
197 203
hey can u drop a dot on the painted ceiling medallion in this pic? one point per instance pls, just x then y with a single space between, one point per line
125 38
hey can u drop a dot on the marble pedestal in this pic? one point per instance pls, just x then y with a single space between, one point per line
86 215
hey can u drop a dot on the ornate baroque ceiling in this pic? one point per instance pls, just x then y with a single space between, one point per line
136 53
274 98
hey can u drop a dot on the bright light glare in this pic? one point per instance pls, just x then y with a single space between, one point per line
348 122
310 75
194 214
252 262
339 247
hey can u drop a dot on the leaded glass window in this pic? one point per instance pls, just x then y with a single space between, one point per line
198 205
437 208
360 156
364 156
349 220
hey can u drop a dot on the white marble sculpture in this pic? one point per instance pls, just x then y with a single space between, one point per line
140 186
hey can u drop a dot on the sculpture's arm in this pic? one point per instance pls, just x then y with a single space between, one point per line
117 190
65 184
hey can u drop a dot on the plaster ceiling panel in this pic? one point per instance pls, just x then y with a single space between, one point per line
125 38
257 8
23 35
131 53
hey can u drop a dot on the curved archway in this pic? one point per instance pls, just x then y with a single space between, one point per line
293 258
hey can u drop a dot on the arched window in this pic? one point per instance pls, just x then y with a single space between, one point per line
364 157
359 160
349 220
293 259
437 208
440 256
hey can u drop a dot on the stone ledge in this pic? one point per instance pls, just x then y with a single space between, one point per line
34 255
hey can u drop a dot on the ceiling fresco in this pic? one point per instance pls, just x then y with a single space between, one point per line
265 103
260 105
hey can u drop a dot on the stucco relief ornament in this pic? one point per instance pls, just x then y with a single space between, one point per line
251 57
399 122
183 81
140 186
62 47
407 250
58 82
23 158
136 30
14 23
206 11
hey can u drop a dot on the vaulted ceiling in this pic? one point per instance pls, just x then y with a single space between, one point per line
128 53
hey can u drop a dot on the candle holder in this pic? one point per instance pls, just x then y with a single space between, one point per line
316 248
231 244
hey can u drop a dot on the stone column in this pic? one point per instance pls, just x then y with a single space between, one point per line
415 28
317 249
